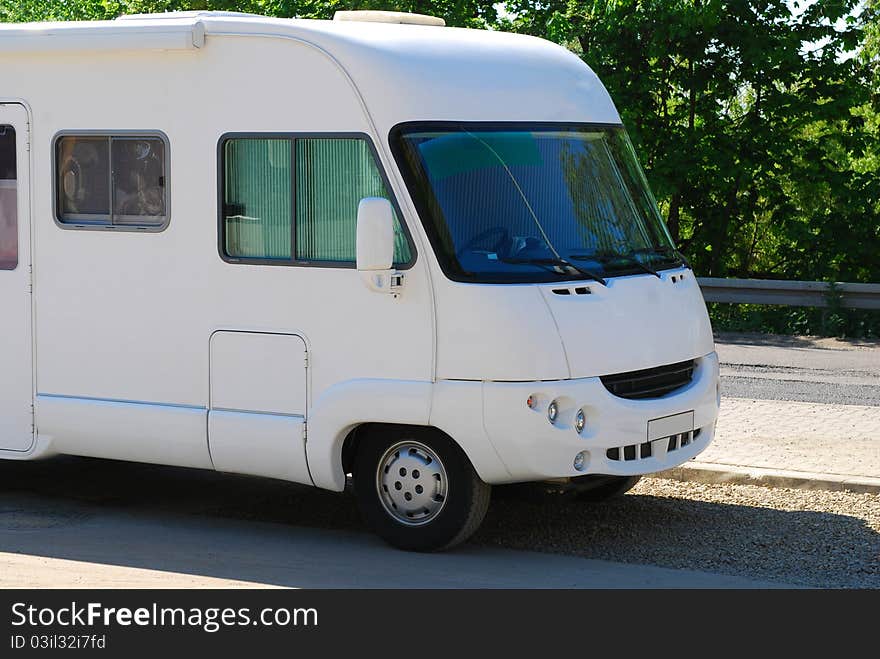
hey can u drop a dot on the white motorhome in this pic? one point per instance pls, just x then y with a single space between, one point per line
423 257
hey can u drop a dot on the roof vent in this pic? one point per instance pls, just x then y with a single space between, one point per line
389 17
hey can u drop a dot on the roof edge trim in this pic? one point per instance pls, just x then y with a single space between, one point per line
37 38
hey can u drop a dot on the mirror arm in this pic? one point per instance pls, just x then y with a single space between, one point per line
383 281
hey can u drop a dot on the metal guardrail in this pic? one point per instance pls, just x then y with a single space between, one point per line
789 293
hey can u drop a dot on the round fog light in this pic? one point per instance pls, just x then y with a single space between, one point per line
580 420
580 461
552 411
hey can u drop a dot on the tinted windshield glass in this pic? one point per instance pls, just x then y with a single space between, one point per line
533 202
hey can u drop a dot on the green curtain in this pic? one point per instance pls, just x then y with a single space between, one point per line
257 202
332 176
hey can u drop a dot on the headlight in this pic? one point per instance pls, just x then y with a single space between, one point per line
552 411
580 420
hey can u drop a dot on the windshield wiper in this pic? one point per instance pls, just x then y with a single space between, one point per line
644 267
668 251
605 258
557 262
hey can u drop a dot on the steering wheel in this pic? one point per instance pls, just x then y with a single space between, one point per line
500 232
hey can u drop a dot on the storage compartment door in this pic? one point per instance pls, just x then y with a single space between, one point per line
257 406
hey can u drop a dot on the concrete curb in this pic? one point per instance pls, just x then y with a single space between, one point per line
707 472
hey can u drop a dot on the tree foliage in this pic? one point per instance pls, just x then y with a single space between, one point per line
758 121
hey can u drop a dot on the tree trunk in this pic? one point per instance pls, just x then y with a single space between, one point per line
584 41
674 218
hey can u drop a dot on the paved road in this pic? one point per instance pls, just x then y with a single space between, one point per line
826 371
93 546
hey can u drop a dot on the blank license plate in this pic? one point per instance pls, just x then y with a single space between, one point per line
670 425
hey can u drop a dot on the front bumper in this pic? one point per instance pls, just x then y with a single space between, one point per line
532 448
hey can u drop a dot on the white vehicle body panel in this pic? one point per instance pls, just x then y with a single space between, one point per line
658 319
122 430
146 342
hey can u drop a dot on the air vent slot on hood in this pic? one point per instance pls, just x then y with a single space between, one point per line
579 290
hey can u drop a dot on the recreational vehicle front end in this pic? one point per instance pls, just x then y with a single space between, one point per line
421 257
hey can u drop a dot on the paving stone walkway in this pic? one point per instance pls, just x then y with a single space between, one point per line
796 436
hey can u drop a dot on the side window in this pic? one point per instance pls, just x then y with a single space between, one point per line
295 200
8 200
111 181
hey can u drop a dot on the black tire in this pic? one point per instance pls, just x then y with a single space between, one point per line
463 507
602 488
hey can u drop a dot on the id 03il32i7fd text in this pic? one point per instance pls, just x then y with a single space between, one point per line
421 256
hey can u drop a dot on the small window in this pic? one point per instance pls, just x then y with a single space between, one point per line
112 181
295 200
8 200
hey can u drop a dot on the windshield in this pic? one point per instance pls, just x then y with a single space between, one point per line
533 202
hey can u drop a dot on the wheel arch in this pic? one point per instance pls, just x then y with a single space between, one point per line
371 431
347 412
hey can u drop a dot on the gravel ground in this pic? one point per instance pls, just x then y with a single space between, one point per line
798 537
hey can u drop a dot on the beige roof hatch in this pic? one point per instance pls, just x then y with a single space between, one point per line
388 17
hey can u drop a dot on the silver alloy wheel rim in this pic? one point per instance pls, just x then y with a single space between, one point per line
411 482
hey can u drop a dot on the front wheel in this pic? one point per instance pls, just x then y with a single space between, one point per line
417 489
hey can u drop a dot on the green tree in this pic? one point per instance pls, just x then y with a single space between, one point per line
871 48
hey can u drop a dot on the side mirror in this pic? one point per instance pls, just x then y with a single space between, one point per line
375 245
375 234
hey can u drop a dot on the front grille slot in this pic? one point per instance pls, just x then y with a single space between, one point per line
680 441
650 382
645 449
